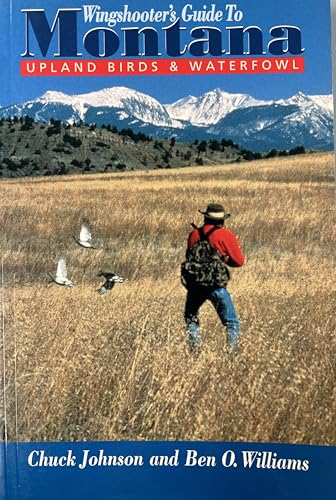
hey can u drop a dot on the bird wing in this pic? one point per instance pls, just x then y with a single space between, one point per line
61 269
85 233
118 279
109 284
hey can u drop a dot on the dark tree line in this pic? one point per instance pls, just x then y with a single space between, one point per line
55 127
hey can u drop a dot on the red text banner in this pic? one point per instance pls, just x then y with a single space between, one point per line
137 67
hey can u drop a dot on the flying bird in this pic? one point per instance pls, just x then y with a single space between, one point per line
61 277
110 280
85 237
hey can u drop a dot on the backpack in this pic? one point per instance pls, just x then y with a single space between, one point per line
205 266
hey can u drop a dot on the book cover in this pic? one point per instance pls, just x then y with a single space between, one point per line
120 125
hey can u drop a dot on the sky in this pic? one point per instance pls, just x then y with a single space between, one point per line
312 16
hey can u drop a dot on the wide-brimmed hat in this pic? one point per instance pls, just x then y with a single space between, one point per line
215 211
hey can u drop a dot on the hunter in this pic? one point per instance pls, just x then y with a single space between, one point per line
211 248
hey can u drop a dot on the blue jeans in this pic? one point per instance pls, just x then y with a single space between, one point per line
222 302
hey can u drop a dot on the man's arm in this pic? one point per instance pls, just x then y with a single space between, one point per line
193 237
229 246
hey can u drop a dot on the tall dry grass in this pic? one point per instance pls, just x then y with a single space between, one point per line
112 367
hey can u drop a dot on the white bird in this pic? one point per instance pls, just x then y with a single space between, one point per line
85 237
61 277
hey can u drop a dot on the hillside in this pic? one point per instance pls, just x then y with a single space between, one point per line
30 148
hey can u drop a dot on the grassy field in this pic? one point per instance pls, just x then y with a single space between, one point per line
91 367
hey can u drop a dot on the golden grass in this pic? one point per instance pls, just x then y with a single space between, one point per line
117 367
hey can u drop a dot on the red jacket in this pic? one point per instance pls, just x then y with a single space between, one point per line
223 240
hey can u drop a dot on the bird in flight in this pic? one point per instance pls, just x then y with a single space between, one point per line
61 277
110 280
85 237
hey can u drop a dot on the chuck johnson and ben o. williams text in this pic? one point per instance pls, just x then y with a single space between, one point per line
247 459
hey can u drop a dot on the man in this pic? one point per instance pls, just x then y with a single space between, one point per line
226 252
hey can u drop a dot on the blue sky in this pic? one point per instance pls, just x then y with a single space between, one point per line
312 16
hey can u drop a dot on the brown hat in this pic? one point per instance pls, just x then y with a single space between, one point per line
215 211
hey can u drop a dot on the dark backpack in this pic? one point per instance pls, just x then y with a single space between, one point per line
205 266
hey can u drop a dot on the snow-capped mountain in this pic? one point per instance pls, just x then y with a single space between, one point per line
253 124
210 107
277 126
322 101
258 125
71 108
130 102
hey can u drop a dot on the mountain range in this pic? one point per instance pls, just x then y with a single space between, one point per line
257 125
